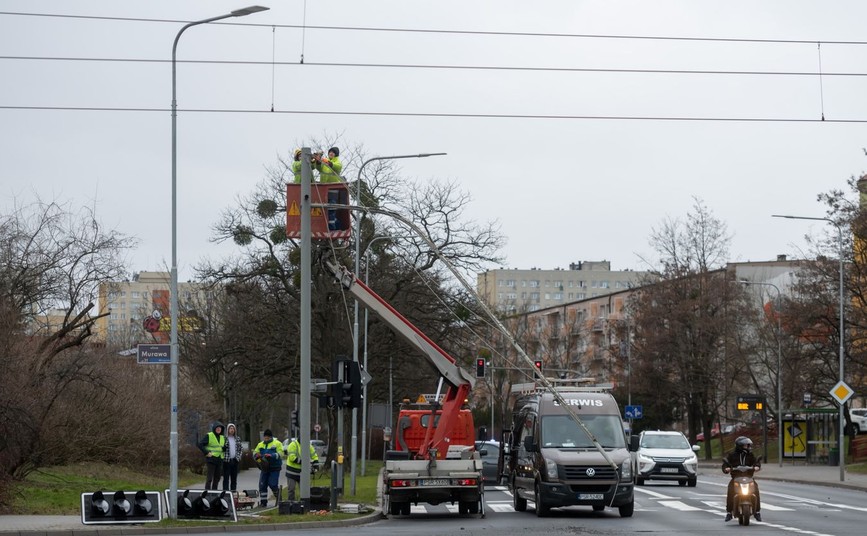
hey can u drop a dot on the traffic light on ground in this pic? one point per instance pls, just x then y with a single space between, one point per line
117 507
212 505
480 367
537 364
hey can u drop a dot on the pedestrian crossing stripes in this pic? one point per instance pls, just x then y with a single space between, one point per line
647 504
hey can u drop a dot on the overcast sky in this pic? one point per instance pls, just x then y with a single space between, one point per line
571 144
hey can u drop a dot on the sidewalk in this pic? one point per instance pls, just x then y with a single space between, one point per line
33 525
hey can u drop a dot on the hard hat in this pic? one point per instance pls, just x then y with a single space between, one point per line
297 153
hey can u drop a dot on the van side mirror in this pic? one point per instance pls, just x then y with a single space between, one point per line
530 444
633 443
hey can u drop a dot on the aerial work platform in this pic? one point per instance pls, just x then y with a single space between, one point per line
324 222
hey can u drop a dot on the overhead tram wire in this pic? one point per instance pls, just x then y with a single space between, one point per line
272 63
457 32
564 117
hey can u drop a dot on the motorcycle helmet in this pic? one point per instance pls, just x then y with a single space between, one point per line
744 443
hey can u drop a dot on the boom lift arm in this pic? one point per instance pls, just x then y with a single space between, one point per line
459 382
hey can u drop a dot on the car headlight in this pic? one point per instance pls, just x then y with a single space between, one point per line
626 470
551 469
644 459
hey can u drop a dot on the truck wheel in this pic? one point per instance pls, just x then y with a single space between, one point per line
463 508
627 509
542 509
473 507
394 508
405 509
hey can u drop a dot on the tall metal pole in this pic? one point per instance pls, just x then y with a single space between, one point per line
354 445
306 274
840 437
173 286
779 368
364 390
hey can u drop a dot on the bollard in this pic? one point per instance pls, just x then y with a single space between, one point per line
333 486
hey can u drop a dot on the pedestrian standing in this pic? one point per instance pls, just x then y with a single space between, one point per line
293 466
212 447
231 458
268 455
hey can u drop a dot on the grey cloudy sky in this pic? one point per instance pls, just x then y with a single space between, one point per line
577 155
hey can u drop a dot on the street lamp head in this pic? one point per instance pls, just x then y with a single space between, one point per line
243 12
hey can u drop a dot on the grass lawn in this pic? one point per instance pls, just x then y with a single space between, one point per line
57 490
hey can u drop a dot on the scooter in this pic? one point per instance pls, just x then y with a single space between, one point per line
745 488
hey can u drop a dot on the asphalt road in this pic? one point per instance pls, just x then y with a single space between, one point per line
661 508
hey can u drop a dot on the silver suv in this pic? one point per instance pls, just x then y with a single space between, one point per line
664 456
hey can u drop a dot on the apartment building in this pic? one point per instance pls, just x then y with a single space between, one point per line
518 290
139 309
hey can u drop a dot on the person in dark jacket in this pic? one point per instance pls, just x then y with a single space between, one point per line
231 458
741 456
212 447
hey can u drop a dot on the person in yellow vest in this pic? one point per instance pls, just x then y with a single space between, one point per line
212 447
293 465
296 166
269 456
329 167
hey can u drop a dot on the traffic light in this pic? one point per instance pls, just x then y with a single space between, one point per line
347 389
106 507
204 504
295 419
480 367
537 364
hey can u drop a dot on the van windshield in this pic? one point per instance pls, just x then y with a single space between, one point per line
560 431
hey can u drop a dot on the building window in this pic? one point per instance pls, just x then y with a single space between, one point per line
511 296
534 283
510 283
534 308
558 295
558 284
593 284
581 295
603 284
136 294
582 284
547 295
534 296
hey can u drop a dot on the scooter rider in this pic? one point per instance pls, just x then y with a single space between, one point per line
741 456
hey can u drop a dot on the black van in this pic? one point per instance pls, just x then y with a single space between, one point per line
553 462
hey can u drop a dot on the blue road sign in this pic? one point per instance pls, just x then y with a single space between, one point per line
633 412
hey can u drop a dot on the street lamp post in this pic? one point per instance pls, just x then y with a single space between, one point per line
842 333
354 445
364 390
173 435
779 369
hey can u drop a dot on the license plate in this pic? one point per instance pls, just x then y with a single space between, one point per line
589 496
435 482
668 469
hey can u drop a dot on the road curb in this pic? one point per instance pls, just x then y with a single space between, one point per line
128 530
